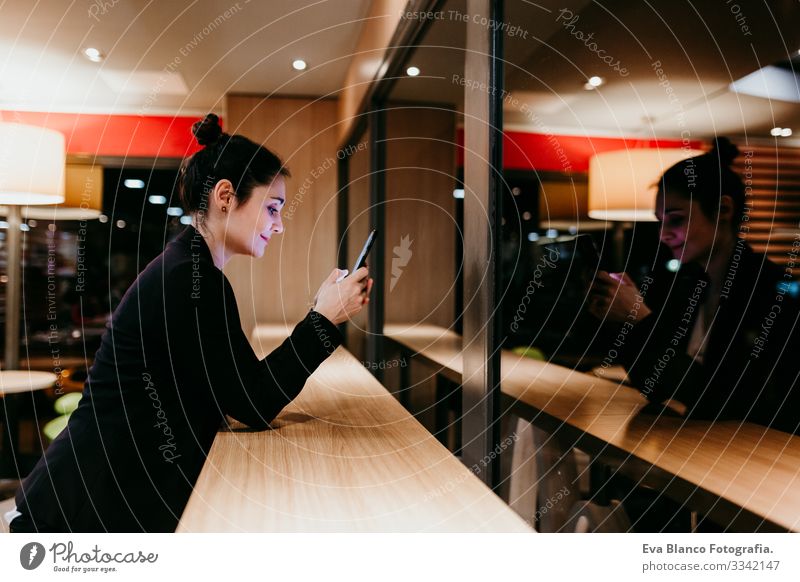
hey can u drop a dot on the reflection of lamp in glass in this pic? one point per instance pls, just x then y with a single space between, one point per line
623 186
31 173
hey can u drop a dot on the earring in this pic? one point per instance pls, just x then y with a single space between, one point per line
224 209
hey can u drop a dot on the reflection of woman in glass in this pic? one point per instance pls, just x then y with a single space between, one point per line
176 360
718 335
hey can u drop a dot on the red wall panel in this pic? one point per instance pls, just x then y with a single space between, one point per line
559 153
150 136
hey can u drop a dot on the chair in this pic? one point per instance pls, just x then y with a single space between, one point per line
6 506
64 406
587 516
543 479
548 480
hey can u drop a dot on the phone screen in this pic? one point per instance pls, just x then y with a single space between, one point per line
362 257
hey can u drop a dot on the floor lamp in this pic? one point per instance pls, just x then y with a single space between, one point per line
623 186
83 200
32 166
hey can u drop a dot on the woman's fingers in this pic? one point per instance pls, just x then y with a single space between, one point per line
366 291
340 299
605 278
360 275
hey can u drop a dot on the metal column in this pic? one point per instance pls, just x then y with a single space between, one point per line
482 221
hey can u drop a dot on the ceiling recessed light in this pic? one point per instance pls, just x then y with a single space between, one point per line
121 223
134 184
780 132
299 65
93 54
102 218
593 83
412 71
174 211
458 193
157 199
186 219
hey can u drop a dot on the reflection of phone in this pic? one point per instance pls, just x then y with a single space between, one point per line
588 258
362 258
584 245
579 259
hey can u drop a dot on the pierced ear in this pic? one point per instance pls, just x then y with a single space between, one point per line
223 192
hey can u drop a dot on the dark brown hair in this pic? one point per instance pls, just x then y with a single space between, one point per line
225 157
706 179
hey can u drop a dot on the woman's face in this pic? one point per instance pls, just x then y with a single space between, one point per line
250 226
685 228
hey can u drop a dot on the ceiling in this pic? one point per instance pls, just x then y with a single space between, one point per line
170 57
702 48
183 57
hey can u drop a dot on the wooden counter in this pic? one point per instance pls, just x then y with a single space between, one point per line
737 473
344 456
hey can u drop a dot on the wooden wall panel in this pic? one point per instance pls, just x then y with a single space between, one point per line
563 200
278 287
772 178
420 215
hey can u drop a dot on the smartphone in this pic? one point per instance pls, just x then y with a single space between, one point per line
581 259
362 258
584 245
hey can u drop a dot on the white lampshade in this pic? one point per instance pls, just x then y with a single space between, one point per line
83 197
32 163
623 184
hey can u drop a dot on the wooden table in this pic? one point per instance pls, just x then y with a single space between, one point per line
345 456
13 384
740 474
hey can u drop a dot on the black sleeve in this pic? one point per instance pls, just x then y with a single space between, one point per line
778 369
207 342
657 367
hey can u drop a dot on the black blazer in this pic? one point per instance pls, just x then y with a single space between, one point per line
174 361
752 358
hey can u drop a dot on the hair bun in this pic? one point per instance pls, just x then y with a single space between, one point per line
724 150
207 131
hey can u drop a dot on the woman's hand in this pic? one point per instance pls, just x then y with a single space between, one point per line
339 302
615 297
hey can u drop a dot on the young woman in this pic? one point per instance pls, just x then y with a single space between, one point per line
175 359
720 335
